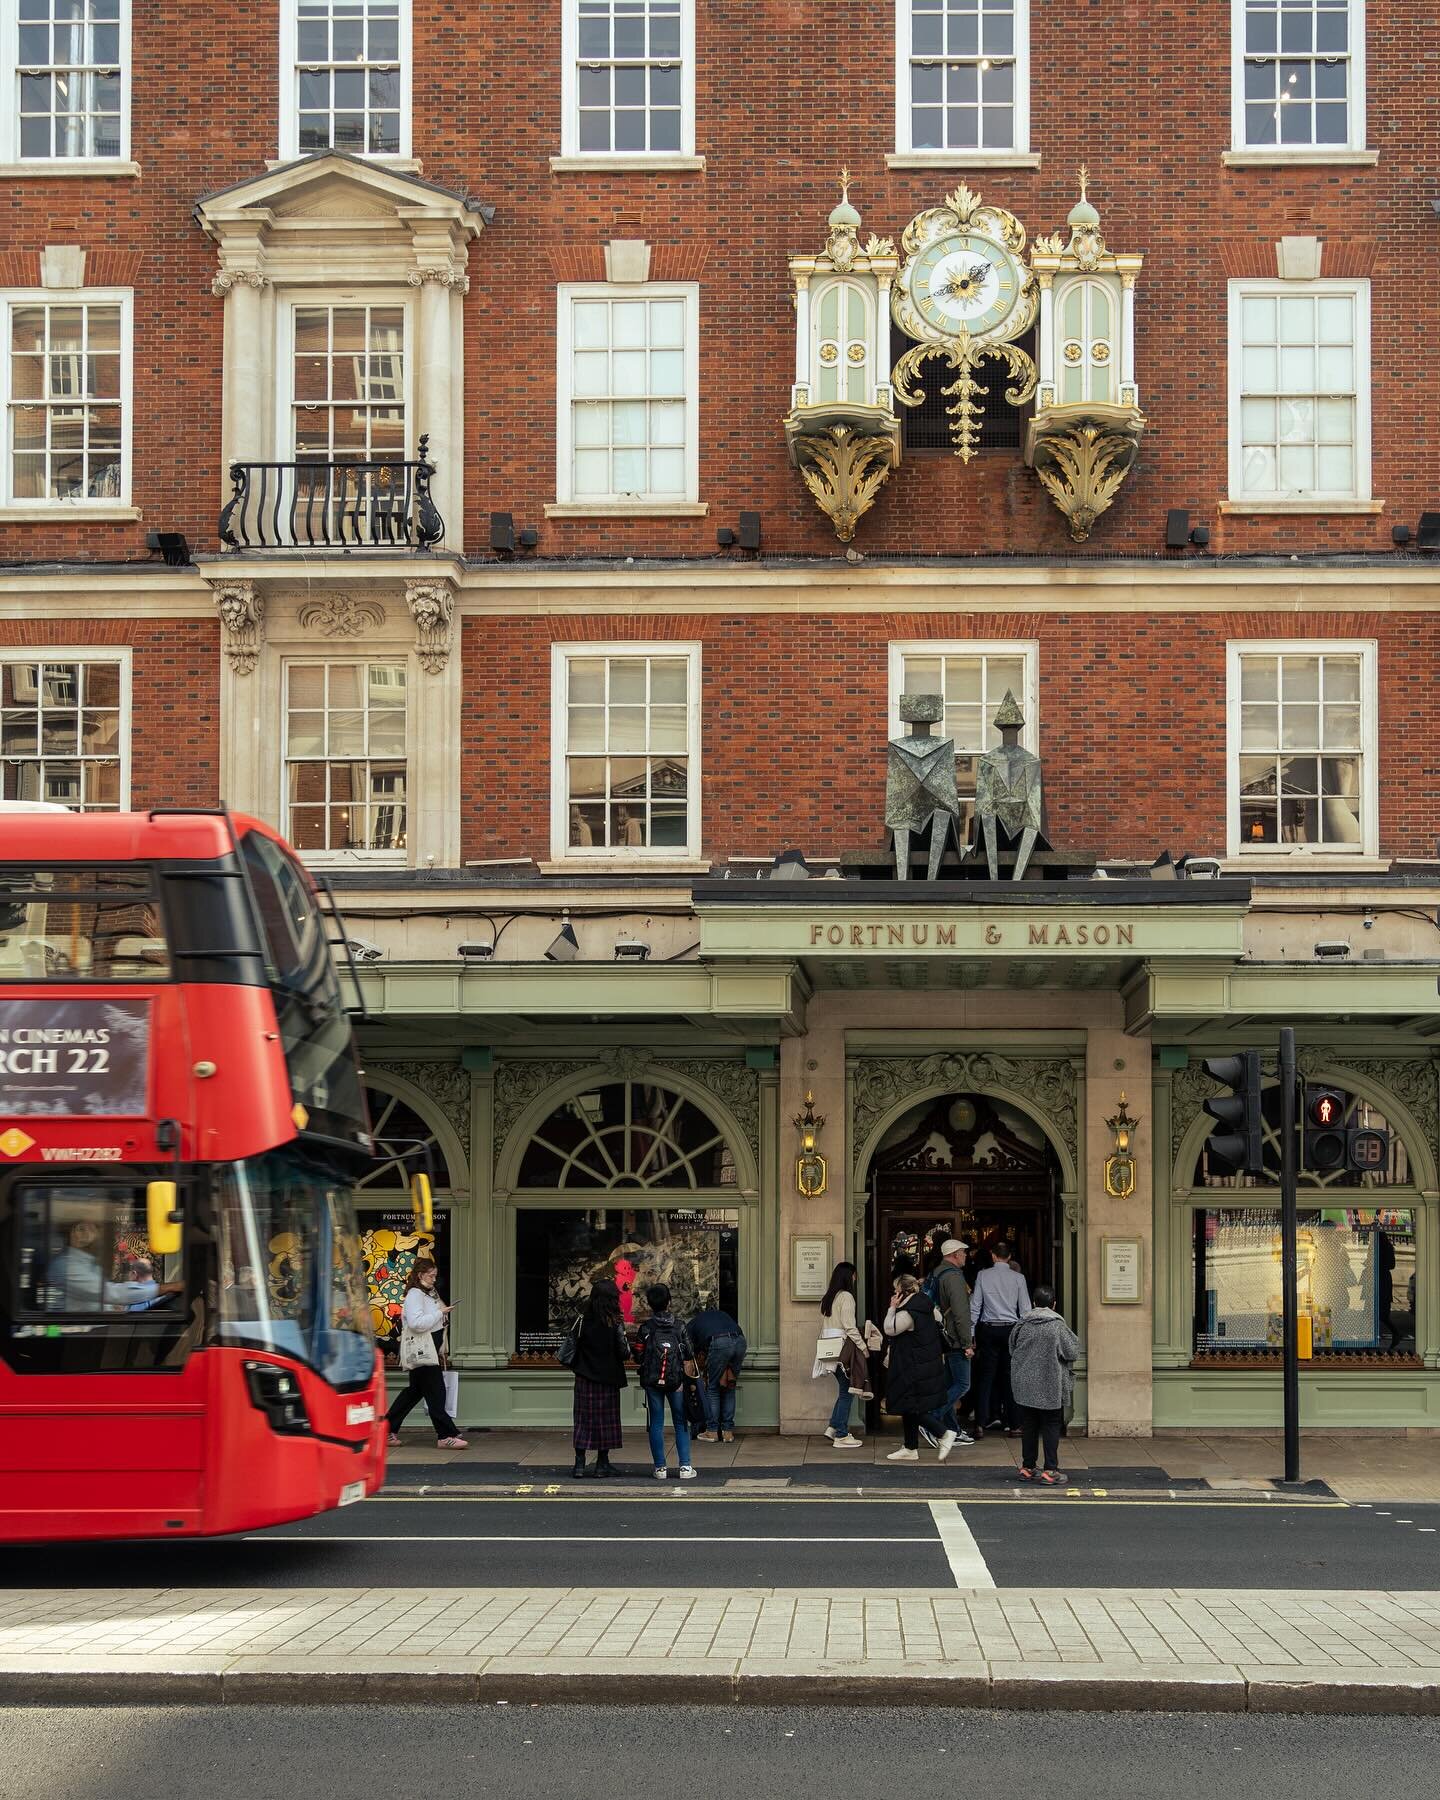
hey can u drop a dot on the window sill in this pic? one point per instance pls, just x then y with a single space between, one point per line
1280 508
70 168
354 859
1278 157
963 159
626 165
628 509
64 509
1271 861
639 864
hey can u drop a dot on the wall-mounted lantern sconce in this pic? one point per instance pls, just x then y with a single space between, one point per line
812 1172
1120 1168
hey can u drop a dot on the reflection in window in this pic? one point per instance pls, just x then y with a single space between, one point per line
1301 747
1297 72
60 733
962 74
70 77
348 76
345 729
400 1133
559 1255
1300 369
627 743
66 402
628 1134
1356 1268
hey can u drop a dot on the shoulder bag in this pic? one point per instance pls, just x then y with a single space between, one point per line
569 1347
417 1350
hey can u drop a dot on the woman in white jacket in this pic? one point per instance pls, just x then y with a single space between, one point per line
423 1324
838 1320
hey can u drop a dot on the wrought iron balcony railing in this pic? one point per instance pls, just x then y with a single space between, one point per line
382 504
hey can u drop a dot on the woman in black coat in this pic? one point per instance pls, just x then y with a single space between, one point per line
917 1384
601 1353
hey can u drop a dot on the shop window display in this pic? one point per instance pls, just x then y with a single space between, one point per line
559 1254
1356 1271
389 1241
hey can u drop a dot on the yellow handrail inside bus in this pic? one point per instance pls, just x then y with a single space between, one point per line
422 1202
162 1222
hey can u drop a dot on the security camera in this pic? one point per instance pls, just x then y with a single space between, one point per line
364 951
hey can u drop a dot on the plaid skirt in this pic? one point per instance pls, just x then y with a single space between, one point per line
597 1415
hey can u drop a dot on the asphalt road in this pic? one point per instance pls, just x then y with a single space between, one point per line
682 1538
563 1753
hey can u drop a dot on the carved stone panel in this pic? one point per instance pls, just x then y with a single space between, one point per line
1048 1083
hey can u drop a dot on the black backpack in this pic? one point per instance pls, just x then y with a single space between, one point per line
663 1365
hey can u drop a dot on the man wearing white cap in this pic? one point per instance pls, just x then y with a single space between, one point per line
952 1299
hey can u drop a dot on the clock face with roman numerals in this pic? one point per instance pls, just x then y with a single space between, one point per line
965 279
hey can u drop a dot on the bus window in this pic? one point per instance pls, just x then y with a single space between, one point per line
93 924
83 1252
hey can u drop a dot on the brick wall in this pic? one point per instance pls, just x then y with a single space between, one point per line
785 93
794 721
175 698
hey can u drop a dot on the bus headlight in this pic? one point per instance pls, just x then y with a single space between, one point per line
276 1392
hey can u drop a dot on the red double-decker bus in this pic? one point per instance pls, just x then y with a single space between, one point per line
185 1335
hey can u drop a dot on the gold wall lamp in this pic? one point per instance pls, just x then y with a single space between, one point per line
812 1171
1120 1167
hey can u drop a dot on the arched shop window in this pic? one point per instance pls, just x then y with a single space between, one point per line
389 1240
630 1181
1356 1264
628 1134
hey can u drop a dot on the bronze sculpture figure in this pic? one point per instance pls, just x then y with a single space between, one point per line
1008 795
920 784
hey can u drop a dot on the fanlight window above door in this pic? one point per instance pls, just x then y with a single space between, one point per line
628 1134
398 1129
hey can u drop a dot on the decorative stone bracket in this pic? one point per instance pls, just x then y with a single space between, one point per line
241 607
432 606
1082 455
844 464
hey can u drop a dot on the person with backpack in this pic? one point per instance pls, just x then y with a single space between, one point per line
665 1357
948 1289
601 1351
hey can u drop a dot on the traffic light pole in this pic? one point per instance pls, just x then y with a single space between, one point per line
1289 1250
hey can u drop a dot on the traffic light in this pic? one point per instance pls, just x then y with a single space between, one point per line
1236 1146
1325 1145
1331 1144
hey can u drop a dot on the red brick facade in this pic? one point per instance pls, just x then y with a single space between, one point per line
794 701
784 95
793 743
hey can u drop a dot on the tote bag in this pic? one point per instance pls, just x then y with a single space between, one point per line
417 1350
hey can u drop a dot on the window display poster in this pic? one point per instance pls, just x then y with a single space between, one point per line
558 1255
390 1244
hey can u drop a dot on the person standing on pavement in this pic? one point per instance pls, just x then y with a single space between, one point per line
601 1353
915 1386
952 1302
838 1320
1001 1299
424 1329
665 1355
719 1346
1043 1349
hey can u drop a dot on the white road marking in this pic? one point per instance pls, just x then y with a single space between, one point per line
967 1565
264 1537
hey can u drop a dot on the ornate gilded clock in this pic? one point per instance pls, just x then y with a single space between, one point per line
965 294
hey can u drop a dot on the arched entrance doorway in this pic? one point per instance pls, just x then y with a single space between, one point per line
971 1166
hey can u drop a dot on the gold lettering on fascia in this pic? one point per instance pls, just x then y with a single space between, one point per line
914 935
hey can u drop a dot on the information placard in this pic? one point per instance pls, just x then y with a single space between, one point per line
809 1267
1122 1271
83 1057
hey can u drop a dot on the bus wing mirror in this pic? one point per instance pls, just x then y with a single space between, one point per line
162 1221
422 1202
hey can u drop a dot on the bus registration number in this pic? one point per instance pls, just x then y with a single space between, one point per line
351 1492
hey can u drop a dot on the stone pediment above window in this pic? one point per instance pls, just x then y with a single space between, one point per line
338 217
342 422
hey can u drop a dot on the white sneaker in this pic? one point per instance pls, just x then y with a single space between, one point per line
903 1456
660 1474
686 1472
947 1444
928 1437
830 1432
848 1442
